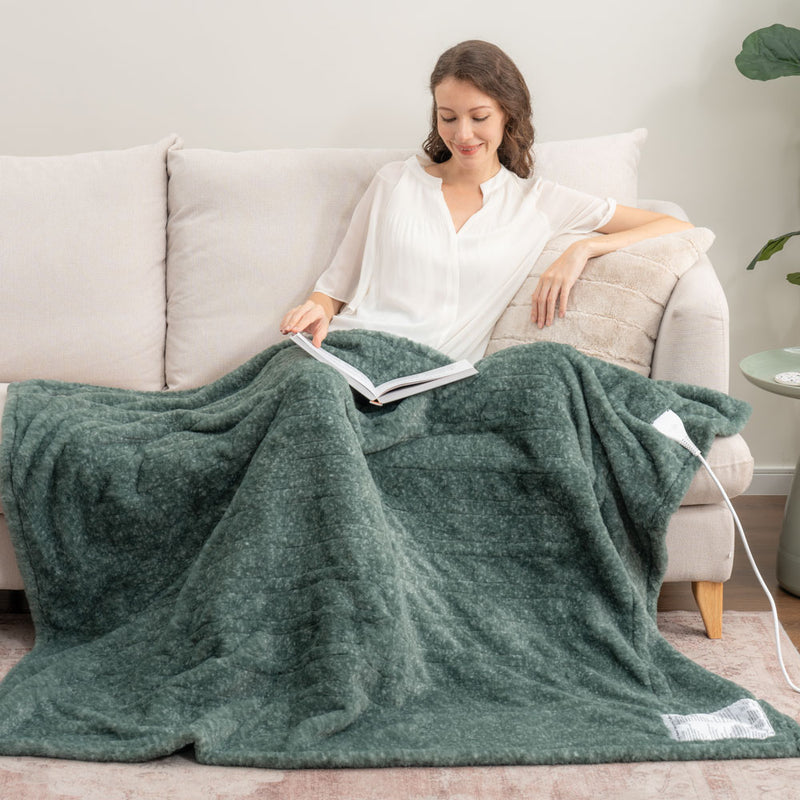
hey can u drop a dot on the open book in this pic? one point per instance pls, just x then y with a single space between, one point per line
392 390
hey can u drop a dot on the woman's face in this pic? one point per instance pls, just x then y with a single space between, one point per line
470 123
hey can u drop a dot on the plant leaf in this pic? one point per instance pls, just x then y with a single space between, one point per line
771 247
794 277
768 53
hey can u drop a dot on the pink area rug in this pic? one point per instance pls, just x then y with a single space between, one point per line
746 655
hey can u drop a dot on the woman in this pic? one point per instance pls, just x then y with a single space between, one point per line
436 250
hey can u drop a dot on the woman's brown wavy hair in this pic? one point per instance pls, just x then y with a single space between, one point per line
488 68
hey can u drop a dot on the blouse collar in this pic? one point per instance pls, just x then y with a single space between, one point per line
420 161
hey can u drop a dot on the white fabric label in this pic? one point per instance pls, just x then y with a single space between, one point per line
744 719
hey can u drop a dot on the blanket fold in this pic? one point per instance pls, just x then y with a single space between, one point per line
278 574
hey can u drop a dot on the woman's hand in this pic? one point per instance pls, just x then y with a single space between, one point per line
313 317
556 282
627 226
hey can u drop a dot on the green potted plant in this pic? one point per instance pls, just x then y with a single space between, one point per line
769 53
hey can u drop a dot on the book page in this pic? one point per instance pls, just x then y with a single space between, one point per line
431 375
416 388
391 390
357 379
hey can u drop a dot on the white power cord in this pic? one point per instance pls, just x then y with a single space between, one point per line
671 425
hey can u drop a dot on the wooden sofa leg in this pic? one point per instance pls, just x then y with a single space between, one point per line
708 596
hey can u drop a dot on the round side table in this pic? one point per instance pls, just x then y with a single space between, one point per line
761 369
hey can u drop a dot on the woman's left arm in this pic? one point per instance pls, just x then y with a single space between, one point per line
627 226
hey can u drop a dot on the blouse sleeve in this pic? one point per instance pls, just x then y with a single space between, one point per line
340 279
571 211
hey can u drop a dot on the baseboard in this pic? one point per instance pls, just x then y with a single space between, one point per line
771 480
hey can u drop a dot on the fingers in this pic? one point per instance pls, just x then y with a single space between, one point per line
302 318
548 294
287 323
543 302
320 333
556 283
564 299
309 317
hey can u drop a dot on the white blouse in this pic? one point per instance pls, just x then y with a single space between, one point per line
403 268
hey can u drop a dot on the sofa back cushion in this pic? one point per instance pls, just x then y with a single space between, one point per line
605 166
249 233
82 262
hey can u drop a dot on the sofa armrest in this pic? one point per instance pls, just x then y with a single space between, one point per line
692 342
692 347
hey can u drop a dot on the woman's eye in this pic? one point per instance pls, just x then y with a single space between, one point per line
474 119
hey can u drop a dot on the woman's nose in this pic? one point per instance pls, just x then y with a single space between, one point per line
464 132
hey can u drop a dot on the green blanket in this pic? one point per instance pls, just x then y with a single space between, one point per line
281 575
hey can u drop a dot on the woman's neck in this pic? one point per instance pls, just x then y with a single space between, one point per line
454 174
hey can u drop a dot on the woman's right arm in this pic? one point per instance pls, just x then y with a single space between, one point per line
313 317
340 278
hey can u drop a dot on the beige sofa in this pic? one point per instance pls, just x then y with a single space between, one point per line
163 267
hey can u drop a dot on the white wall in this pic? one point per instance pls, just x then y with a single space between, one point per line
241 74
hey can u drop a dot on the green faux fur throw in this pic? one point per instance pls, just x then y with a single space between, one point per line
279 574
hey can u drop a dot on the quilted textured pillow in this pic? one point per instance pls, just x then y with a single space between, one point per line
616 306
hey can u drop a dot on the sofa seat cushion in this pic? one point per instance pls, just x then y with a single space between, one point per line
732 463
3 396
10 577
91 229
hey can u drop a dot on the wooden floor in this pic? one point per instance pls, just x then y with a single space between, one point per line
761 517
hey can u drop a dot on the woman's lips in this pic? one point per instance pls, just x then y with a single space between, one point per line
468 151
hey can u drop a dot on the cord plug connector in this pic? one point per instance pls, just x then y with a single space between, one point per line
671 425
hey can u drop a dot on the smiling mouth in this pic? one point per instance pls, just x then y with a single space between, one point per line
467 151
